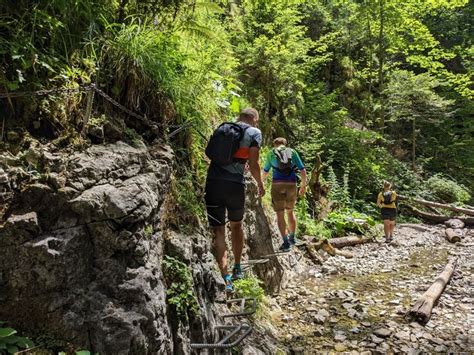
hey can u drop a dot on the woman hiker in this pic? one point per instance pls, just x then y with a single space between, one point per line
386 201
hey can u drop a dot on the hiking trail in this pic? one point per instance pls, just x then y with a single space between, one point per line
359 304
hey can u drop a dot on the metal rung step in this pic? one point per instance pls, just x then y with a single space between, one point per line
278 253
243 303
253 262
243 329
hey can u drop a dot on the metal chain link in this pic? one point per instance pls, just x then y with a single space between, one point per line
46 92
89 87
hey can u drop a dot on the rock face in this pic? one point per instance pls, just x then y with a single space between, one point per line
82 248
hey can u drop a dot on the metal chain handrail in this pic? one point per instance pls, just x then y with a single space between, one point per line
87 88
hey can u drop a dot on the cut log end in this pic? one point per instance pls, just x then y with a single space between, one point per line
451 235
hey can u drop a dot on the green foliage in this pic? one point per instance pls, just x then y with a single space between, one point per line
188 201
307 224
250 287
148 230
180 292
10 343
439 188
345 220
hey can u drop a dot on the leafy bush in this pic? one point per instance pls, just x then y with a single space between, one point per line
250 287
180 287
343 221
11 343
307 224
446 190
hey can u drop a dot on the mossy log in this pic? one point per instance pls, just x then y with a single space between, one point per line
451 235
349 241
421 311
466 211
435 218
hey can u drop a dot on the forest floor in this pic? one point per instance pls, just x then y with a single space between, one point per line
359 304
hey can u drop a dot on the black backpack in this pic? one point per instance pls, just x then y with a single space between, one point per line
285 165
387 198
224 143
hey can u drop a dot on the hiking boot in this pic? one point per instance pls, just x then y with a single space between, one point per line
292 240
286 246
388 239
229 287
237 273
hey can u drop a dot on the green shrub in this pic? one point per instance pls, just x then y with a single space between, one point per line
11 343
250 287
342 221
445 190
180 287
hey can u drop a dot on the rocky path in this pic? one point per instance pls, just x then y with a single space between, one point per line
358 305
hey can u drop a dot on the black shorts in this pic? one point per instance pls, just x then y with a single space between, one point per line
222 195
388 213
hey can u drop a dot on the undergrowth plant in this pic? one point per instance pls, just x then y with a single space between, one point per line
10 343
347 220
179 281
250 287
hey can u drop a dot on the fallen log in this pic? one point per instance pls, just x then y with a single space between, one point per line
348 241
431 217
417 227
421 311
314 255
466 211
328 245
344 253
451 235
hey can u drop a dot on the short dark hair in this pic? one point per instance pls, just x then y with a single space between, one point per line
248 113
279 141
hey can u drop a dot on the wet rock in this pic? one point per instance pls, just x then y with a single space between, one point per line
403 336
437 341
454 223
318 332
340 347
382 332
376 339
340 337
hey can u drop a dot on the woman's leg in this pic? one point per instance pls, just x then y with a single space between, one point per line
392 228
386 228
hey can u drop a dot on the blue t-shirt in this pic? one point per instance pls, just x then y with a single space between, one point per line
235 172
278 176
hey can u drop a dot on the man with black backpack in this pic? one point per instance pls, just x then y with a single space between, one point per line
231 147
387 202
284 161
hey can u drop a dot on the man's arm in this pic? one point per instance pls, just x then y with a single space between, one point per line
303 182
267 166
299 164
254 168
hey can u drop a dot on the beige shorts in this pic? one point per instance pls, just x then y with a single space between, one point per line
284 196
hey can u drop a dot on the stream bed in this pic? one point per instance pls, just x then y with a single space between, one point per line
359 305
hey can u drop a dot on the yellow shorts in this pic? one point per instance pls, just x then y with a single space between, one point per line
284 196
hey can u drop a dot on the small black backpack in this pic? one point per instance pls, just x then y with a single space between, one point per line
224 143
387 198
285 165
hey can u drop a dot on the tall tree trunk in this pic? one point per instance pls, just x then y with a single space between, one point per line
381 57
413 145
371 65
